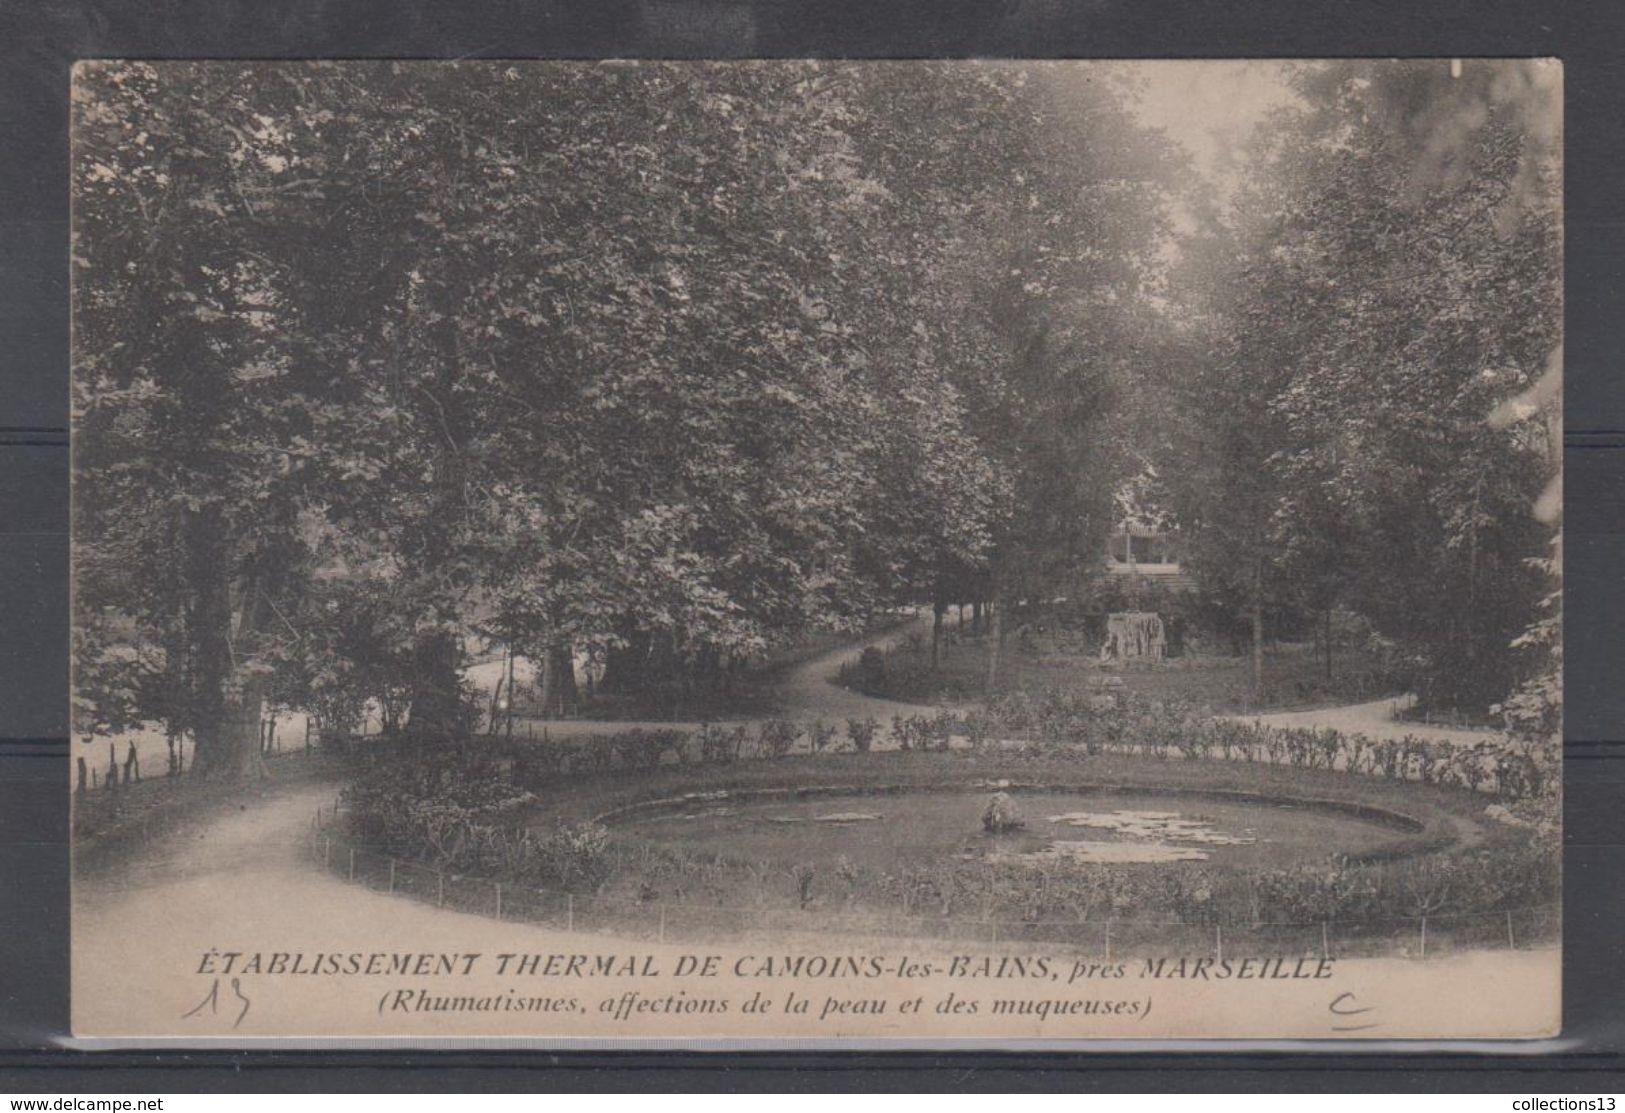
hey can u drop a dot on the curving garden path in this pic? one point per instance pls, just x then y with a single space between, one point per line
803 691
806 692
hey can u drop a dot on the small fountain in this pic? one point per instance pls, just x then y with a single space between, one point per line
1001 814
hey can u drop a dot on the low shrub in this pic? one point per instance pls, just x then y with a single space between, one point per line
871 672
433 805
713 744
1309 893
820 735
777 737
907 732
573 858
805 876
862 733
1512 769
644 749
978 727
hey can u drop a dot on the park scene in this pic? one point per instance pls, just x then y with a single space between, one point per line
1096 508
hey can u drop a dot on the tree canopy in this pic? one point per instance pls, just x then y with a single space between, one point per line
657 361
663 362
1388 277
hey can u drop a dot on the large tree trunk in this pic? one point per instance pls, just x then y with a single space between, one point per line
625 666
995 640
495 706
938 609
227 713
512 696
237 753
438 707
208 571
1258 630
559 694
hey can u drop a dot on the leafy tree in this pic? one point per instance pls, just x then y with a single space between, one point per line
192 413
1388 278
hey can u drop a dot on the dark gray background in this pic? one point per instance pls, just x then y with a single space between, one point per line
39 41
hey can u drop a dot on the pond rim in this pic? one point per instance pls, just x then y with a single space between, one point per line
1386 817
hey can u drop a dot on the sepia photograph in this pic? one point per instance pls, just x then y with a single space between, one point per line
827 552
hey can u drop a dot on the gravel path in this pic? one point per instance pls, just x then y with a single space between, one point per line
1374 720
807 693
804 691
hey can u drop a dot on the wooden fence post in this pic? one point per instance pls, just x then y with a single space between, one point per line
1108 940
352 863
1512 940
392 875
569 911
1424 953
1218 943
499 899
662 923
1325 943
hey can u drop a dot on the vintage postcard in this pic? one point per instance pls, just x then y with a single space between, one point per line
809 550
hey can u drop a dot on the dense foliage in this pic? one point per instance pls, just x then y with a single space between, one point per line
656 362
1384 284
